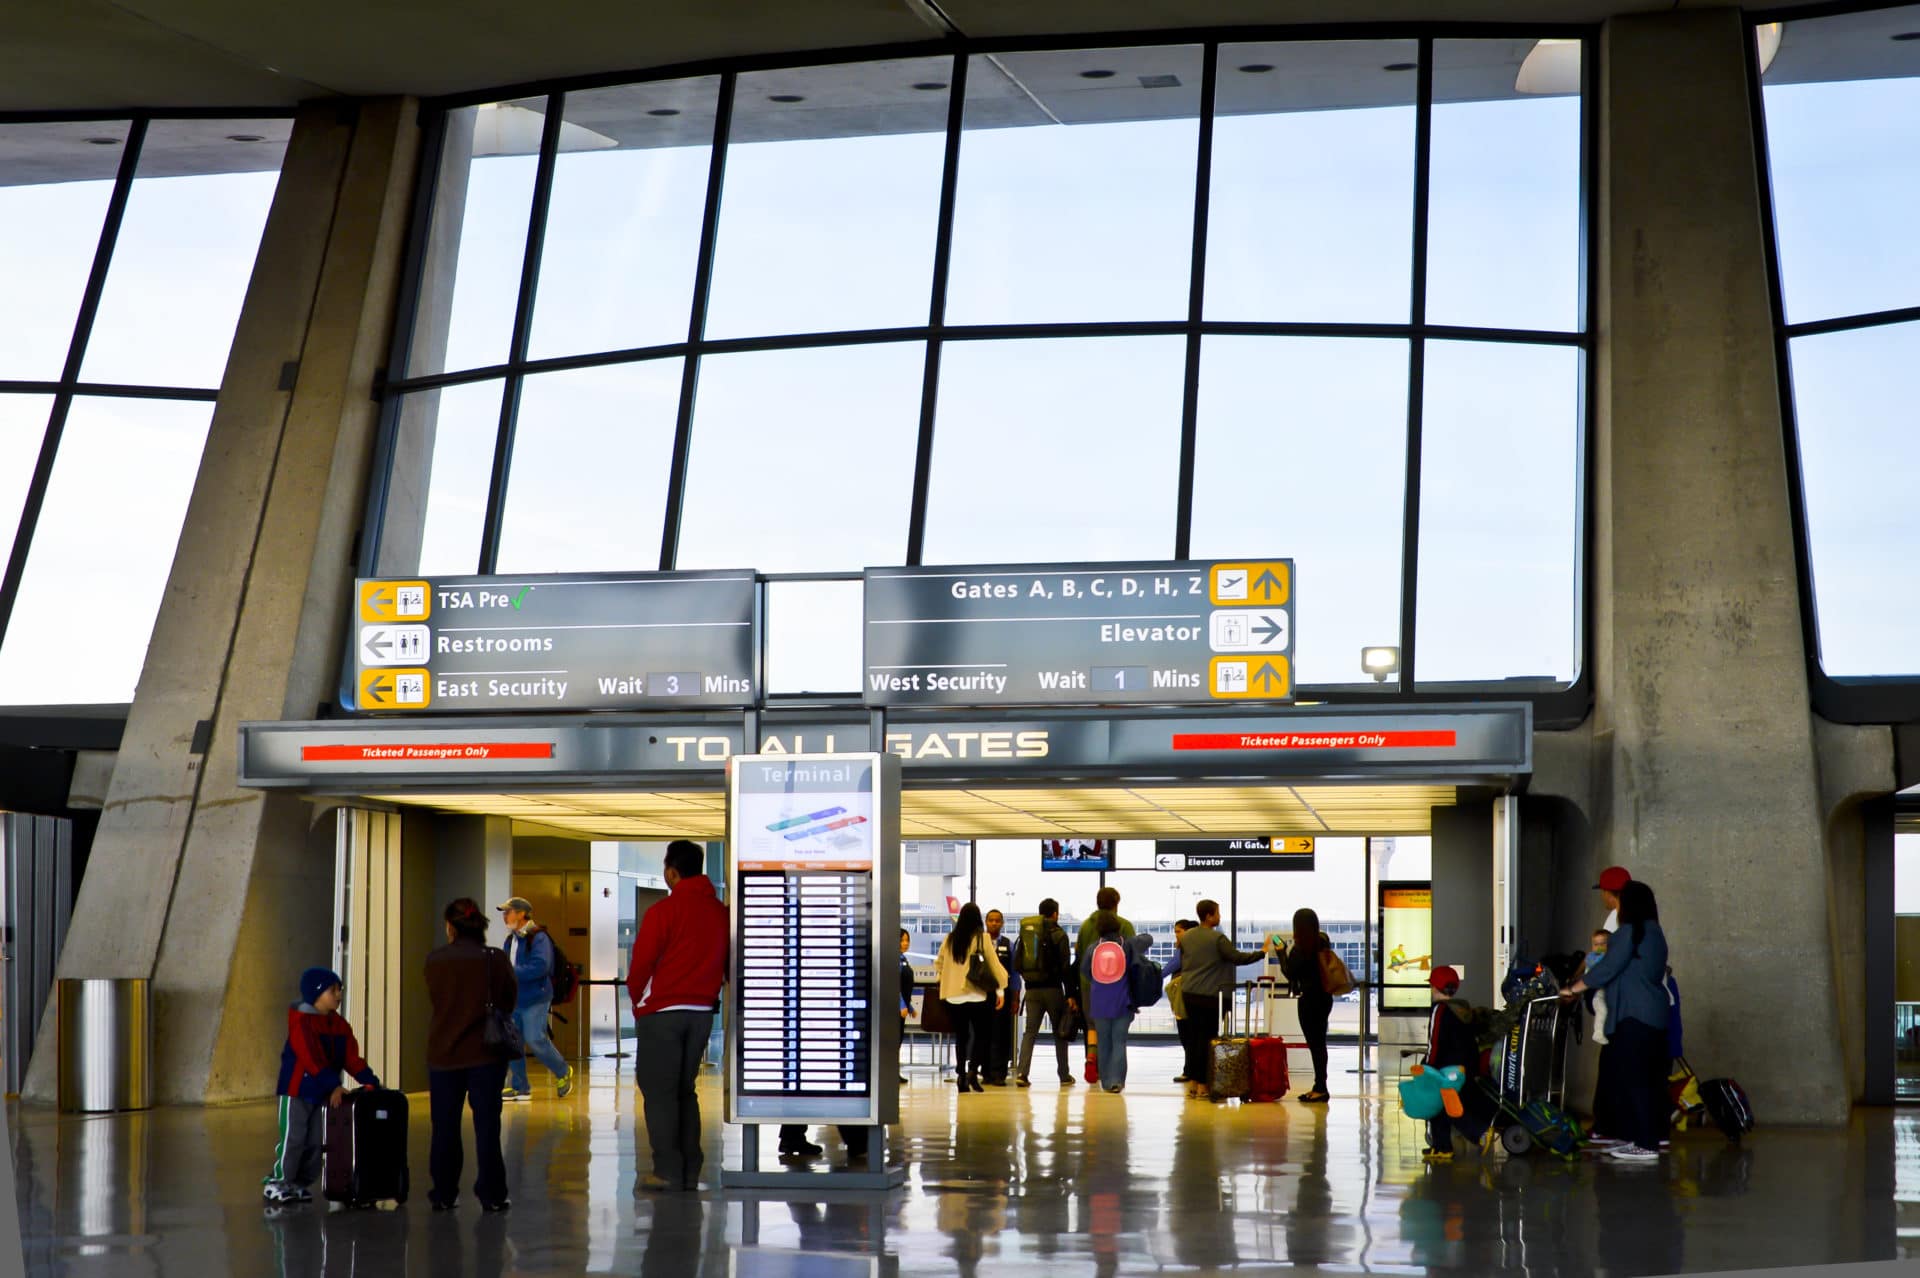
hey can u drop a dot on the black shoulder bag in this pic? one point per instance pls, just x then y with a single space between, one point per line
500 1031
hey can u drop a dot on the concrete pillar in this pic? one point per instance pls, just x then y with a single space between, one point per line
1705 779
209 889
1463 897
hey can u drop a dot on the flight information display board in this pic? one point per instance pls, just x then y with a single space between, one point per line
812 840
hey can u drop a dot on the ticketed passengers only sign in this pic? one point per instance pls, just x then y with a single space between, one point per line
582 641
1080 634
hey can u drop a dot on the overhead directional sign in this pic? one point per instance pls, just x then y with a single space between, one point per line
1080 634
1280 852
591 641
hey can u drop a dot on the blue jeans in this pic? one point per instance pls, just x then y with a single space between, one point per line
533 1028
1111 1049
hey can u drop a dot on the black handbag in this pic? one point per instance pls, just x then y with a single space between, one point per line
979 975
501 1030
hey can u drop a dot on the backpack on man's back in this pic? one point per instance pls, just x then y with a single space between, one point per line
565 973
1044 954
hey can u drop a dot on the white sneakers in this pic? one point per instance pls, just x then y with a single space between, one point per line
1633 1154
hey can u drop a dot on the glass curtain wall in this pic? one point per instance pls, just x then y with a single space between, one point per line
1841 114
1307 298
128 251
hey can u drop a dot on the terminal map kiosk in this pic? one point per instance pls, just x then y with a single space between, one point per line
814 984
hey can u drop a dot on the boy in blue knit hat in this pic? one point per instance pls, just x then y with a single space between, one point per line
320 1049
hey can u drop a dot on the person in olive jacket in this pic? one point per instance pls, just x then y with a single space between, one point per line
465 977
1209 960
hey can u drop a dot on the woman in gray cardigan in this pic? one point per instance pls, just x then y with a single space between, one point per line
1209 961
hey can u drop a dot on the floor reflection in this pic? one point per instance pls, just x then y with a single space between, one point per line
1060 1183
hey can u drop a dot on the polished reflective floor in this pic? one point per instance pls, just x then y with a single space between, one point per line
1043 1181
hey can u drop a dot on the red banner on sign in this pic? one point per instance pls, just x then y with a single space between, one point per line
1386 740
427 752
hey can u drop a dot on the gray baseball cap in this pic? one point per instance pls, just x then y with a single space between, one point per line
519 903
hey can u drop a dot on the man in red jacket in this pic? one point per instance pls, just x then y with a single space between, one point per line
679 964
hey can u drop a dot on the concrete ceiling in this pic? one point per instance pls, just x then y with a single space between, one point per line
61 55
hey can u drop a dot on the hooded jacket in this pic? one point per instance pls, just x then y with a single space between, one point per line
680 956
320 1048
1451 1039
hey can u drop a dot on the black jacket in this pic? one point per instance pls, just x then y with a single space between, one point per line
1303 969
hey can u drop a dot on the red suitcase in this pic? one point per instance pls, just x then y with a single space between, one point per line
1269 1069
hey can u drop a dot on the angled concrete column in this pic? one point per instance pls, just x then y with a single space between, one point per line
215 891
1706 782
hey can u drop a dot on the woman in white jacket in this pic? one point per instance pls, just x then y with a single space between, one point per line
970 1005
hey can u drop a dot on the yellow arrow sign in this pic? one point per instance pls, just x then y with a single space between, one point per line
1250 678
1260 582
1292 845
394 690
395 600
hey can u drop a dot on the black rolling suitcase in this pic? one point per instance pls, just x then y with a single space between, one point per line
367 1148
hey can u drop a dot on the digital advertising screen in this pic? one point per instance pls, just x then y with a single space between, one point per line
812 899
1406 947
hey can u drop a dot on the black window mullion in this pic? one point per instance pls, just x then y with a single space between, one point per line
522 327
1196 303
697 323
70 372
937 311
1416 365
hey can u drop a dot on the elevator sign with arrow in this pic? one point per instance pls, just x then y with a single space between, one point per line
1080 634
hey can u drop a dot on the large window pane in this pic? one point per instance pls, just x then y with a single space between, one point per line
470 282
814 636
185 252
802 460
1052 450
1504 212
587 491
442 469
1302 407
1859 454
101 551
57 181
1311 214
1008 878
1499 492
623 222
1843 130
1075 196
23 426
832 198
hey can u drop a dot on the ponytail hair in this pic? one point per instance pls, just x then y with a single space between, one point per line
467 918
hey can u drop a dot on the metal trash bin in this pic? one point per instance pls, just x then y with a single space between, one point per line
106 1045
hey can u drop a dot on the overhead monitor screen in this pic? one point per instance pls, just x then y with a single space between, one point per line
1076 854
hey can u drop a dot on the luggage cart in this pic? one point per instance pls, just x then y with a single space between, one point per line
1532 1066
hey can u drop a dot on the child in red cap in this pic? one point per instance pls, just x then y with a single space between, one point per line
1451 1041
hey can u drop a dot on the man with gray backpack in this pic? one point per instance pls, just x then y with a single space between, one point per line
1044 957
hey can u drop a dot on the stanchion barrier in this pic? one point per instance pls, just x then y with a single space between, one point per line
618 1052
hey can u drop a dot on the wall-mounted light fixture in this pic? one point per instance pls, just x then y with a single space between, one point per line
1380 662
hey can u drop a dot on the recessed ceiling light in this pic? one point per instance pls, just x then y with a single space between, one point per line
785 97
1159 81
1906 35
1399 66
104 141
1096 75
245 137
664 111
928 86
1256 68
